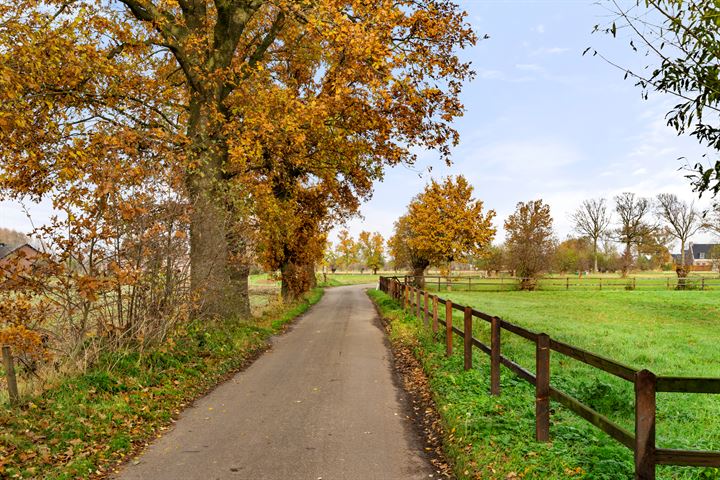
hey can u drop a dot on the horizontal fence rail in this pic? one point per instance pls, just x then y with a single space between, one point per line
424 305
482 283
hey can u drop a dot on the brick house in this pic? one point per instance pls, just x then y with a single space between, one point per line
702 256
17 256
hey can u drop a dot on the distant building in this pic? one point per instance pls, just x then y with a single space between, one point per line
21 256
701 255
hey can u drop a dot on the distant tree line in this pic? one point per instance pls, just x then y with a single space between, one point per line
445 224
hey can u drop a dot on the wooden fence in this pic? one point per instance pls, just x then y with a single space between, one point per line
477 283
642 441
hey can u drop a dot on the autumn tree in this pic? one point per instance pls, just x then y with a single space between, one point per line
347 249
492 260
331 257
575 254
592 220
188 82
530 242
654 252
372 247
9 236
444 223
681 220
404 251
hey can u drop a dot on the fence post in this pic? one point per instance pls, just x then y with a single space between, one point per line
426 317
668 283
448 328
644 425
601 283
418 303
542 388
435 314
10 373
702 286
495 356
438 283
634 283
406 297
567 283
469 284
467 337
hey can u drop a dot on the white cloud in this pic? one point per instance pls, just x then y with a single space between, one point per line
540 28
530 67
549 51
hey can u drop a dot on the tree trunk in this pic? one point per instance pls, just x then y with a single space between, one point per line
295 280
595 255
627 261
419 273
210 278
312 279
528 283
238 300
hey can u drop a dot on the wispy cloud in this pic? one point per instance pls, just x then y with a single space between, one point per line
549 51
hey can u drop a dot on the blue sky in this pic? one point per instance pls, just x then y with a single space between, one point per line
542 121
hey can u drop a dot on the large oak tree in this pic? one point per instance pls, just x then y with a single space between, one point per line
216 91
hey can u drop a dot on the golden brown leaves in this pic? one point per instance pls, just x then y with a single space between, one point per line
447 224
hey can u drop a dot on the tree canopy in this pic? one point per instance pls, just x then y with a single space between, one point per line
444 223
207 99
530 241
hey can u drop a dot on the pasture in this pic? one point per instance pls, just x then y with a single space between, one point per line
668 332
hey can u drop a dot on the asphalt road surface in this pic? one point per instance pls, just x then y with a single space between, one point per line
321 404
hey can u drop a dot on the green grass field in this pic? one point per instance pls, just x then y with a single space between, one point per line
595 282
668 332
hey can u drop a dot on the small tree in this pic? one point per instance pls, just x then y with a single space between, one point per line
447 224
492 260
530 243
347 249
632 212
371 250
331 257
575 254
593 221
681 220
404 253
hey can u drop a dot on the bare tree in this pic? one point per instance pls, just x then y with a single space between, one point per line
682 220
633 226
593 221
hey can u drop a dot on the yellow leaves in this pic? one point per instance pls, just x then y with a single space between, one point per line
24 341
445 223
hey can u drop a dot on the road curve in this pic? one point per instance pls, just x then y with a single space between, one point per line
321 404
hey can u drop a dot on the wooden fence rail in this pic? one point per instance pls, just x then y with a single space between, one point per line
478 283
646 383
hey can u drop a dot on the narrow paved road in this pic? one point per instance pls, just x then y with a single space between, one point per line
321 404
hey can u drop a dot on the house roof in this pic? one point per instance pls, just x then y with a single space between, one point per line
6 249
702 248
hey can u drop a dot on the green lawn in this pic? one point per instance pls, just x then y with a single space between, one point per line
338 279
668 332
595 282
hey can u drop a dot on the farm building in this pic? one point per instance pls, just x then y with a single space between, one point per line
17 256
701 255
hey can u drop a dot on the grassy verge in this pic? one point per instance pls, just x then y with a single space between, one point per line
88 424
339 279
492 438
